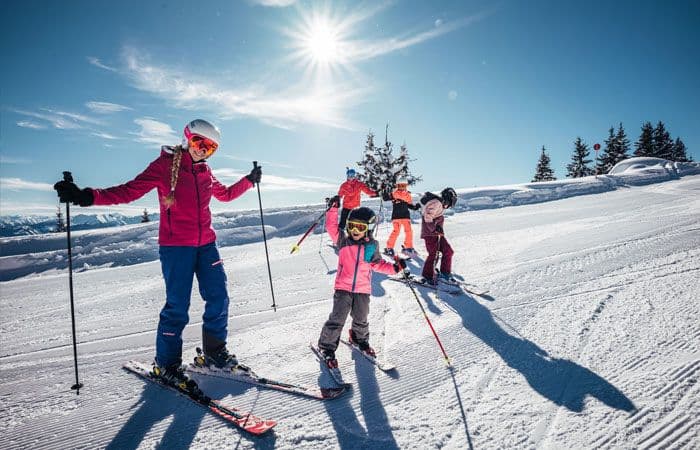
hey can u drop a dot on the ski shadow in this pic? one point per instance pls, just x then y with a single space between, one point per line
156 405
562 381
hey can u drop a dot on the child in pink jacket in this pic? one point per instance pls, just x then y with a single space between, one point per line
358 257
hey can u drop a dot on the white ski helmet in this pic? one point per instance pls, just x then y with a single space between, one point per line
402 180
200 127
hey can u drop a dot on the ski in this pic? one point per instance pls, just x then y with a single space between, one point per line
245 421
244 374
381 364
335 373
420 281
466 287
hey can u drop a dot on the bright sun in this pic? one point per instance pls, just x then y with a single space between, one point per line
322 43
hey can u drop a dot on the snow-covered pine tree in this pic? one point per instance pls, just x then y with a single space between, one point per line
623 145
608 159
381 169
543 172
579 166
400 168
663 145
680 152
60 224
645 144
144 217
369 164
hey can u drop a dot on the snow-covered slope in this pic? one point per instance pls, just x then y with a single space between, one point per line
589 338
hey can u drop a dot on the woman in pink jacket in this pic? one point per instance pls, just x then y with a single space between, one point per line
185 186
358 257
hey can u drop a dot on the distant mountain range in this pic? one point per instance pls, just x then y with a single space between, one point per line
28 225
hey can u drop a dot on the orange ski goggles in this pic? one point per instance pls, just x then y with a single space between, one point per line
361 227
200 143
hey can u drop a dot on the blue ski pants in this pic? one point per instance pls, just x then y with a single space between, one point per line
179 265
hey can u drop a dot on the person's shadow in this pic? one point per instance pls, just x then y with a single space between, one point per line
351 434
561 381
156 404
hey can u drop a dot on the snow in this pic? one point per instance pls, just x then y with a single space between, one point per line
588 337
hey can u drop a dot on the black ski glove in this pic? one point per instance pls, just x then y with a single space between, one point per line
255 175
439 231
333 202
68 192
415 207
399 264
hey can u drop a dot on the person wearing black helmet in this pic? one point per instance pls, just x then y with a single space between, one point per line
358 257
433 234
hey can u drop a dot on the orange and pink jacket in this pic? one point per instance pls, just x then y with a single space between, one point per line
351 190
188 221
356 259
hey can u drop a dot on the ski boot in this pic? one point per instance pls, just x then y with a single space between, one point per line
389 252
409 251
174 375
446 276
222 359
329 358
363 345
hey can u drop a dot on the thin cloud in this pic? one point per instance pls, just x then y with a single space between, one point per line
105 136
363 50
12 160
273 3
30 124
262 163
18 184
155 132
298 105
62 120
106 107
277 183
96 62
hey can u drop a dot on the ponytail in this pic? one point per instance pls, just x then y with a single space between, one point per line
169 200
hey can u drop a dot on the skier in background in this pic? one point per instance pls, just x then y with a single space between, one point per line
358 257
433 233
185 186
350 192
401 218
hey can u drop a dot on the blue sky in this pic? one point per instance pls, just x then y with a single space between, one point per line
473 88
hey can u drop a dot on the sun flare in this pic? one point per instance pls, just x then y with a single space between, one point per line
322 43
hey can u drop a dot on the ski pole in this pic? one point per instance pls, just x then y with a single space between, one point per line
427 319
295 247
438 256
67 176
267 255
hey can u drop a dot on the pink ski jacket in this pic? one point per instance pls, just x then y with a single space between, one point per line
356 259
188 221
432 217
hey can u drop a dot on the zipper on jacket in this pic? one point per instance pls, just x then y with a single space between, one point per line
357 265
199 209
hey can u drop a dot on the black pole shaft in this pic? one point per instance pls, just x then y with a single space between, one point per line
68 177
267 254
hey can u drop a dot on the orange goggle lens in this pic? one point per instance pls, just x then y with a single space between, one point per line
200 143
359 226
